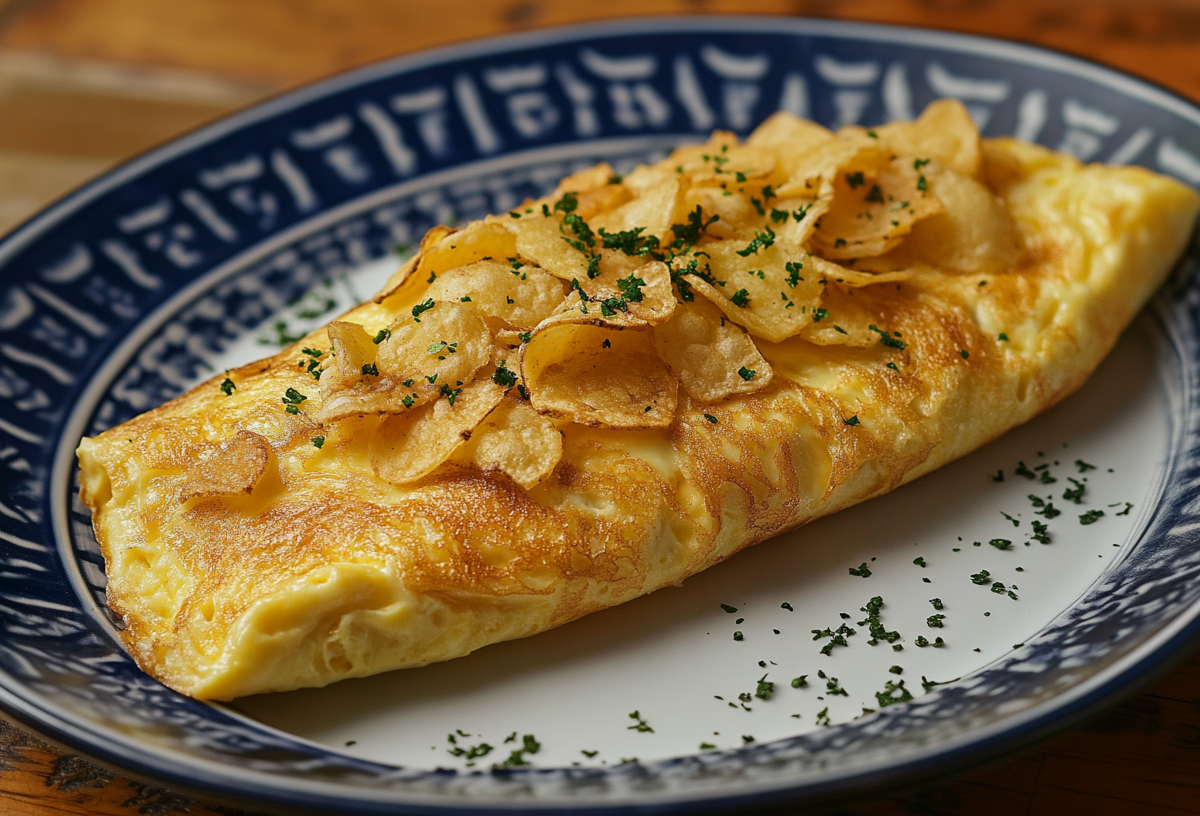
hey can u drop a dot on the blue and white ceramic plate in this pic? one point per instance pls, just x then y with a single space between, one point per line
193 257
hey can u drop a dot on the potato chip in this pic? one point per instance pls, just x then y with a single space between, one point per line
856 278
598 376
347 387
841 320
875 203
711 356
790 138
228 468
732 211
722 161
442 345
596 189
643 297
521 296
417 359
408 446
974 234
813 171
767 290
650 214
516 441
443 249
553 245
944 131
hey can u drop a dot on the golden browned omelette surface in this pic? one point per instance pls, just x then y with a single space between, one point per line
605 391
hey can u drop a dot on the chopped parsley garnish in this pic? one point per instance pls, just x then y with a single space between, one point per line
765 689
524 337
855 179
631 242
318 442
893 692
740 298
787 606
982 578
567 203
529 745
921 183
292 399
1002 336
1091 516
851 420
819 314
503 377
800 682
832 687
584 240
746 374
919 163
874 195
1125 512
640 725
631 288
227 387
728 608
1022 470
690 233
711 418
935 621
937 604
1001 543
451 394
761 240
863 571
793 269
887 338
383 334
964 354
920 562
738 635
707 746
1040 532
823 716
1083 466
370 370
1074 494
1043 507
896 670
878 630
420 309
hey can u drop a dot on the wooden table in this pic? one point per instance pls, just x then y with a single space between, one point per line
84 84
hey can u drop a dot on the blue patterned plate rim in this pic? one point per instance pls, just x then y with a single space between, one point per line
1154 655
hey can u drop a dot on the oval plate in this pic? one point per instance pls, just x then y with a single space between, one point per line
128 291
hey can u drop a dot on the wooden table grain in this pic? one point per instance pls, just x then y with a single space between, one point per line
85 84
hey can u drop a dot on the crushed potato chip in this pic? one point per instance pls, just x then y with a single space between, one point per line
226 469
974 234
790 138
650 213
876 201
346 387
441 348
520 296
642 297
598 376
544 241
842 321
406 447
944 131
712 357
767 291
516 441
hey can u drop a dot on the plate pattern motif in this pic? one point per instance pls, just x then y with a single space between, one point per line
110 301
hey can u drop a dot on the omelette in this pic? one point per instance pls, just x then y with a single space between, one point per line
607 390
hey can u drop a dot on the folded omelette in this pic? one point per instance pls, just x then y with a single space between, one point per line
558 409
